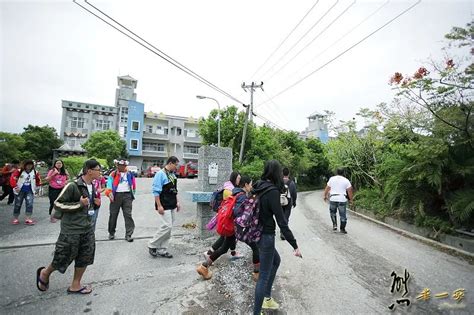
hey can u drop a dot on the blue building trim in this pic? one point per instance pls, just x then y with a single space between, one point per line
134 138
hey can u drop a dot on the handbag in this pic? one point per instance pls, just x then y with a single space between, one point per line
211 225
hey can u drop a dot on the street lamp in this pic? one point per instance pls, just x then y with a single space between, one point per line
218 119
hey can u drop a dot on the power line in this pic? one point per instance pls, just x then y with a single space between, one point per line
301 38
343 36
341 54
269 122
334 43
165 57
284 40
312 41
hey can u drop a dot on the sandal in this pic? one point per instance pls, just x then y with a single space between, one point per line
39 281
165 255
30 222
83 290
15 222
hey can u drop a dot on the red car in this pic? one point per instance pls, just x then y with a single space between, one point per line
152 170
189 169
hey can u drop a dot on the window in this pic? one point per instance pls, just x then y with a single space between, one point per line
166 131
178 131
135 125
133 144
159 130
149 128
150 146
191 149
75 141
190 133
124 111
77 122
123 120
102 125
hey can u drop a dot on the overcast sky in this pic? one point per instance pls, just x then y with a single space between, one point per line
54 50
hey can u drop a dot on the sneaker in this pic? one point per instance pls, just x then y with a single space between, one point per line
235 255
343 231
111 236
152 252
334 227
270 304
15 222
128 238
30 222
204 272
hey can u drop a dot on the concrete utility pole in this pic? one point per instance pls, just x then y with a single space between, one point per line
249 111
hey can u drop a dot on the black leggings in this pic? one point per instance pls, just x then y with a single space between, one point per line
53 194
219 243
255 252
228 243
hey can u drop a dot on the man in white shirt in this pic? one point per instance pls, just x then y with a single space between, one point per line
121 186
338 191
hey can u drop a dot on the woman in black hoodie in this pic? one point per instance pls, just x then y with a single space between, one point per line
268 191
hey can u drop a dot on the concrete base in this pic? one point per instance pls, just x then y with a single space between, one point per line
204 215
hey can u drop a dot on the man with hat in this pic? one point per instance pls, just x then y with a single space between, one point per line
120 189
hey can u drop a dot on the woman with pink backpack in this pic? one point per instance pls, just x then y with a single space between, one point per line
240 195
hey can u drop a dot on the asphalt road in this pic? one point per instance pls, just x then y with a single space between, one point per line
339 274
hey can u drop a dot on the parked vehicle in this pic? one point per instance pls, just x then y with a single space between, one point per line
152 170
133 169
189 169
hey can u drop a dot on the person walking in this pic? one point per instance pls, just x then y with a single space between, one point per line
338 190
165 191
121 186
57 178
227 189
76 242
241 193
6 172
268 191
25 183
290 190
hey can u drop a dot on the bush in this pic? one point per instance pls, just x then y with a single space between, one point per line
74 164
371 199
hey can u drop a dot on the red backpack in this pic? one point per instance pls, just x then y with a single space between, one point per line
225 217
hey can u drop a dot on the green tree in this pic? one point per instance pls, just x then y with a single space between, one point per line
232 125
105 145
318 164
40 142
11 146
74 164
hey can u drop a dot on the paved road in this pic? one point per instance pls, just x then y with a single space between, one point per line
339 274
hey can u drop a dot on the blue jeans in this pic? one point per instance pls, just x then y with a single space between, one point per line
334 206
29 197
269 263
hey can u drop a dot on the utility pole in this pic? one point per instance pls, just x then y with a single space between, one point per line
248 114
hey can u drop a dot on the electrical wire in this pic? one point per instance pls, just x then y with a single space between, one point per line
301 38
284 40
342 37
312 41
341 54
160 54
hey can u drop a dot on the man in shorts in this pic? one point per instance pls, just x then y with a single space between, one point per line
75 207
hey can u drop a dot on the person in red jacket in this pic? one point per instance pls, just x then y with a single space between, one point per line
24 182
6 172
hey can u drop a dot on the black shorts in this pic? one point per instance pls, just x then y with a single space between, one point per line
74 247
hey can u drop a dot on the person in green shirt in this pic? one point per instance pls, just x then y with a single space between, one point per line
75 207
